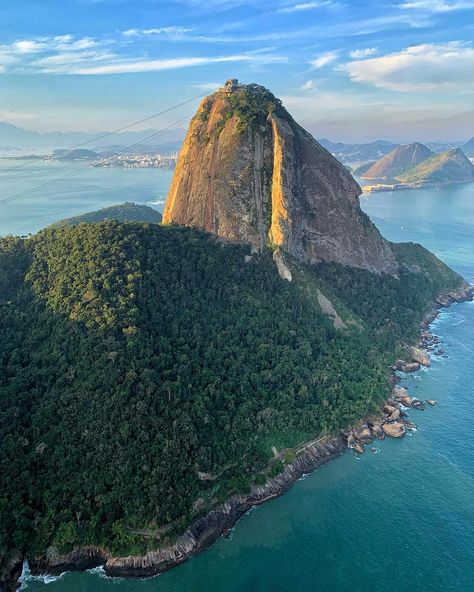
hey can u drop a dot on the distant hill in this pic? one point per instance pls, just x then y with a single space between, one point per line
358 152
452 166
468 147
127 212
12 136
76 154
398 161
363 168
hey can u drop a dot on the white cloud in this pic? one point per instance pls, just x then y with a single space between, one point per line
324 59
66 54
306 6
135 66
28 54
308 85
428 67
358 54
172 31
437 5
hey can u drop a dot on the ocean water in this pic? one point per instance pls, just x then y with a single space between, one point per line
400 519
92 189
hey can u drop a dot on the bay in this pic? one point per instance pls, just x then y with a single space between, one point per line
91 189
399 519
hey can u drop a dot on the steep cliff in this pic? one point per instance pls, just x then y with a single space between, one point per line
398 161
248 172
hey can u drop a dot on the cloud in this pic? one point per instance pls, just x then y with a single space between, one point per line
308 85
306 6
427 67
66 54
157 65
358 54
324 59
29 54
437 5
171 31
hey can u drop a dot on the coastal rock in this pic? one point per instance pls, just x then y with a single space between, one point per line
409 424
389 409
395 415
203 532
399 392
394 430
11 572
377 431
420 356
363 434
465 294
417 404
410 367
359 448
431 402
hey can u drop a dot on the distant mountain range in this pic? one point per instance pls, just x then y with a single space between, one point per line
468 147
417 165
13 137
397 161
358 152
452 166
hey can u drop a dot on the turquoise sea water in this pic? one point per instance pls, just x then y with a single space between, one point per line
398 520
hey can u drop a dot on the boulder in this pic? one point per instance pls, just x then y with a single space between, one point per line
417 404
409 424
399 392
419 356
410 367
395 430
377 431
359 448
363 434
389 409
431 402
406 401
351 440
395 415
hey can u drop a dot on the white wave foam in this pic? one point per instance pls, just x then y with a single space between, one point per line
27 576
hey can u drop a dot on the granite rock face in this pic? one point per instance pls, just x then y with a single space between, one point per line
248 172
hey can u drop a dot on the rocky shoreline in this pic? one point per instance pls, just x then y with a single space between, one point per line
203 532
389 421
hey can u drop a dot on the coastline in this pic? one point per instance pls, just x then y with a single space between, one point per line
202 533
388 187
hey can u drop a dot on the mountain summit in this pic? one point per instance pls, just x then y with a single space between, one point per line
248 172
398 161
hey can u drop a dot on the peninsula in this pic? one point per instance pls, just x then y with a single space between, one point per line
157 380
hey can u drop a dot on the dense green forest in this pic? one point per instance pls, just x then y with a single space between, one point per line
126 212
134 356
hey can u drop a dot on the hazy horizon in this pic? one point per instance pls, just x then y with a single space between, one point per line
352 72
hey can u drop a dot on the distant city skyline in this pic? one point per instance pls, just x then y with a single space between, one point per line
348 71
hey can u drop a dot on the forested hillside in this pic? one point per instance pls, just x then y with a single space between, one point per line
135 358
127 212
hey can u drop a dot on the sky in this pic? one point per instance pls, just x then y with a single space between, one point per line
351 71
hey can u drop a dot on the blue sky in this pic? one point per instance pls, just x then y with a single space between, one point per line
347 70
